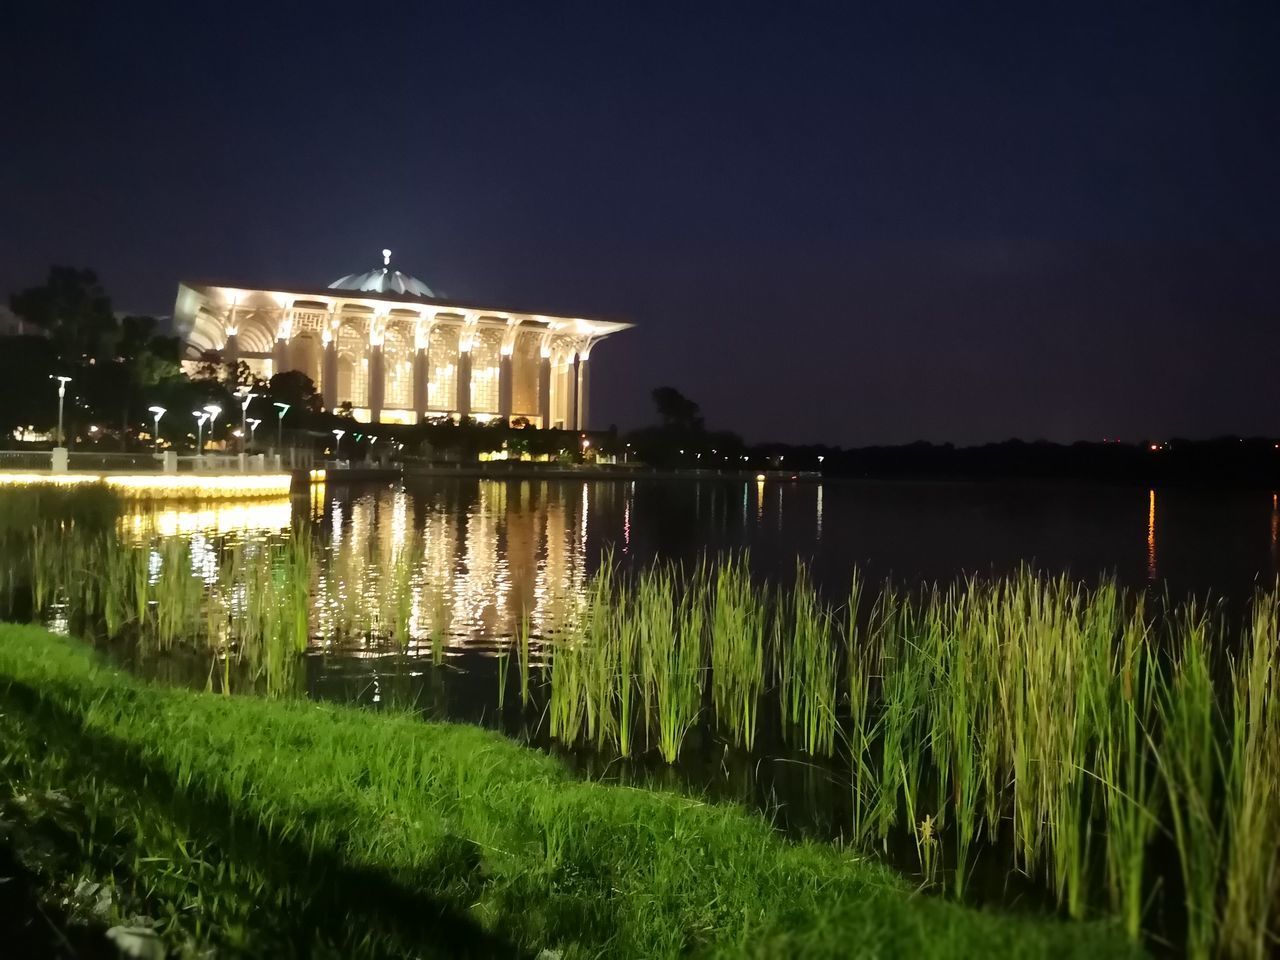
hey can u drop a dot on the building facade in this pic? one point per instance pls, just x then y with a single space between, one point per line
385 343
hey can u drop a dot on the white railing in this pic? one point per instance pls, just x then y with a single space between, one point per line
60 461
25 459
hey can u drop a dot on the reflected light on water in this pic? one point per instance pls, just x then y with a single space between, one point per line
626 520
819 511
213 518
474 570
335 523
1151 533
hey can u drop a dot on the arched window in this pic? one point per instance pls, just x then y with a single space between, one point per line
353 366
443 360
304 356
486 352
397 364
526 364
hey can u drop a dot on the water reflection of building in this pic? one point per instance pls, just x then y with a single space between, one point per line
486 554
388 345
256 517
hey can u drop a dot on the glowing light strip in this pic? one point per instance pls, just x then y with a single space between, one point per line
54 479
169 485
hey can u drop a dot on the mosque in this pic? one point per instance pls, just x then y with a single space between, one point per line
384 342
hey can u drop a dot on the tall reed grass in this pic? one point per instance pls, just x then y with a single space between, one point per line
1078 732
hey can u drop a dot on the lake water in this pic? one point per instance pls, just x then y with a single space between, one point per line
507 548
502 539
496 551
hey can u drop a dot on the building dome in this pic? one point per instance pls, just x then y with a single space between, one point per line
383 280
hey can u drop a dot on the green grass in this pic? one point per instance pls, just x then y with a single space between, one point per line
461 841
1095 743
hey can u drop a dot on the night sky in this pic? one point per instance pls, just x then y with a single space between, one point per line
856 223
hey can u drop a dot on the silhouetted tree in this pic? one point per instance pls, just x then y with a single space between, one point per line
72 306
676 410
296 389
30 398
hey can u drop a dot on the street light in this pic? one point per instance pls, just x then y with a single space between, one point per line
282 409
157 412
253 429
212 409
201 417
244 411
62 392
337 443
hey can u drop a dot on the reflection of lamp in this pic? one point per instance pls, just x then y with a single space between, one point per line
157 412
253 428
337 442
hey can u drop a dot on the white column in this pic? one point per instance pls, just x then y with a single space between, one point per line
329 375
280 352
377 382
464 382
421 382
570 374
504 385
544 390
280 356
584 391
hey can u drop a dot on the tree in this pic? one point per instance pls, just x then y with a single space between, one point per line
75 310
677 410
30 397
296 389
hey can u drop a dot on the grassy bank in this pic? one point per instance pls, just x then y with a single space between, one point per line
294 828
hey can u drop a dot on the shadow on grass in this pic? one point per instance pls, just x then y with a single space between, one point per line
329 895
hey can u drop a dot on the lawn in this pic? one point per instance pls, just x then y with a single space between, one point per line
291 828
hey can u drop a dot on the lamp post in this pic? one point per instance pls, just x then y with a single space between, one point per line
281 409
244 415
212 409
253 429
156 412
62 392
201 417
337 445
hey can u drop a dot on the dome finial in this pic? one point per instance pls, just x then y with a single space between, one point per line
386 258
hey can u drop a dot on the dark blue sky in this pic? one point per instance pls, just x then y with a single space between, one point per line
849 222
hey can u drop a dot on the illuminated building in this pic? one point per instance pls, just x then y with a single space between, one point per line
385 343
